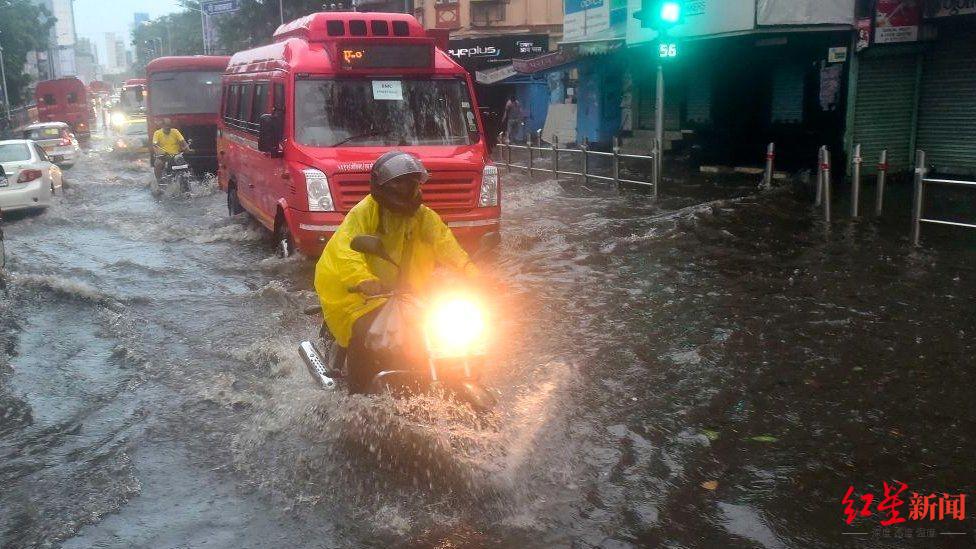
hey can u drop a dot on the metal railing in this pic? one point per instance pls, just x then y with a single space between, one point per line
920 182
553 151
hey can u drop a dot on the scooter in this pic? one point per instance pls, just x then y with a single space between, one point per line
453 347
176 170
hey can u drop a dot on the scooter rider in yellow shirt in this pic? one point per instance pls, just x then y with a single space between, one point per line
167 141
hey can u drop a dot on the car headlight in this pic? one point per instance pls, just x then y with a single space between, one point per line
319 195
456 327
489 187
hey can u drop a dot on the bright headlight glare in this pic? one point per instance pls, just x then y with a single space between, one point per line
118 119
319 196
456 327
489 187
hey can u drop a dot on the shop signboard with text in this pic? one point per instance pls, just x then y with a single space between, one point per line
594 20
897 21
949 8
477 54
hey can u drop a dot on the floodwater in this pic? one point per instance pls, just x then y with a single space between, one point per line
713 369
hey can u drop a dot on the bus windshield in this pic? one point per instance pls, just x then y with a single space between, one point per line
133 99
370 113
186 92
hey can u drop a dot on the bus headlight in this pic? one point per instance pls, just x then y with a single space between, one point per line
319 195
489 187
118 119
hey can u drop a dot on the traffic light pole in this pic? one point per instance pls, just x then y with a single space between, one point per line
659 126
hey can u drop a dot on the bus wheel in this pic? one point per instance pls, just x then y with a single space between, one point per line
284 244
233 202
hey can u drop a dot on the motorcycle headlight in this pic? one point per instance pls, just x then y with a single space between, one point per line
319 195
456 327
489 187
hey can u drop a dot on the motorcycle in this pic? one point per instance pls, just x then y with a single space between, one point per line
176 170
452 348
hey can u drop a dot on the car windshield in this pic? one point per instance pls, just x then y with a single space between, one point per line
365 113
193 92
38 134
136 128
14 152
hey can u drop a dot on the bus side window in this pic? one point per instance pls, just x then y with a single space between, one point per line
279 97
72 97
232 97
260 104
49 99
244 106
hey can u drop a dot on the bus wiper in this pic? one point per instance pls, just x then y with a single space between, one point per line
361 136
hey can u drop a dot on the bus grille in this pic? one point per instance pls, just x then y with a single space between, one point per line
445 192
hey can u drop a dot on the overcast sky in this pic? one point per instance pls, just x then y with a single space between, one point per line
93 18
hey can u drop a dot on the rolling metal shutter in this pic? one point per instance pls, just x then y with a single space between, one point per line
947 107
884 109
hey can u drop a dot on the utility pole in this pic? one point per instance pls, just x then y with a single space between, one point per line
281 11
6 91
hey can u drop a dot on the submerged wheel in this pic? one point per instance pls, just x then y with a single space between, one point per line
284 244
233 202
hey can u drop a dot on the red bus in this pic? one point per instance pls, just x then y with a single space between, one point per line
132 101
65 100
303 120
187 91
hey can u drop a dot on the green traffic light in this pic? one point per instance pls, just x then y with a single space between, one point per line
670 12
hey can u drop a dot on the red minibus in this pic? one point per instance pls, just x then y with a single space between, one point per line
65 100
187 91
303 120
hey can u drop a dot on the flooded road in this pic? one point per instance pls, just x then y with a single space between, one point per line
711 370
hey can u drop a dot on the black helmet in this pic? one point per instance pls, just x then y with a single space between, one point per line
384 182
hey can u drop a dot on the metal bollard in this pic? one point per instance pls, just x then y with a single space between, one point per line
656 166
555 157
529 148
508 152
917 198
882 174
826 185
583 146
616 160
768 174
820 171
856 181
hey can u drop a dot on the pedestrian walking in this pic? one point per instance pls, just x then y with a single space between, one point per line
512 120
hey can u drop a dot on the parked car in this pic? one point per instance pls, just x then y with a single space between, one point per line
57 141
133 138
28 178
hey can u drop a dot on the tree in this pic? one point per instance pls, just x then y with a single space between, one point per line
174 34
255 23
24 27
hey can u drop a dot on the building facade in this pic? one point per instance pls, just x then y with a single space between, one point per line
487 37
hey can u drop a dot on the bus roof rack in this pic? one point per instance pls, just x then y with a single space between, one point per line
329 26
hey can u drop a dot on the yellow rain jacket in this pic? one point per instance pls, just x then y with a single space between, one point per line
341 269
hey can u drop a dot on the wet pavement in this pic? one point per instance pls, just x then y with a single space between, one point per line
710 370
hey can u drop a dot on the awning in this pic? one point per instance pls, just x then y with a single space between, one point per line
545 62
496 75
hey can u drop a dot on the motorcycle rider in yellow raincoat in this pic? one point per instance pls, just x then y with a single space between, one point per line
414 236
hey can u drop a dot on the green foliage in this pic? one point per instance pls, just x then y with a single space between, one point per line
178 33
24 27
257 20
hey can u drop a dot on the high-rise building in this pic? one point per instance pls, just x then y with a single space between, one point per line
115 59
139 18
60 58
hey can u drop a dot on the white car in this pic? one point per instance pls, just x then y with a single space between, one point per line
57 141
28 178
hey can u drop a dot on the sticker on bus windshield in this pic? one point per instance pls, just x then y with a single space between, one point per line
387 90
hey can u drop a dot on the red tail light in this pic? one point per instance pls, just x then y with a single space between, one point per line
65 138
28 175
